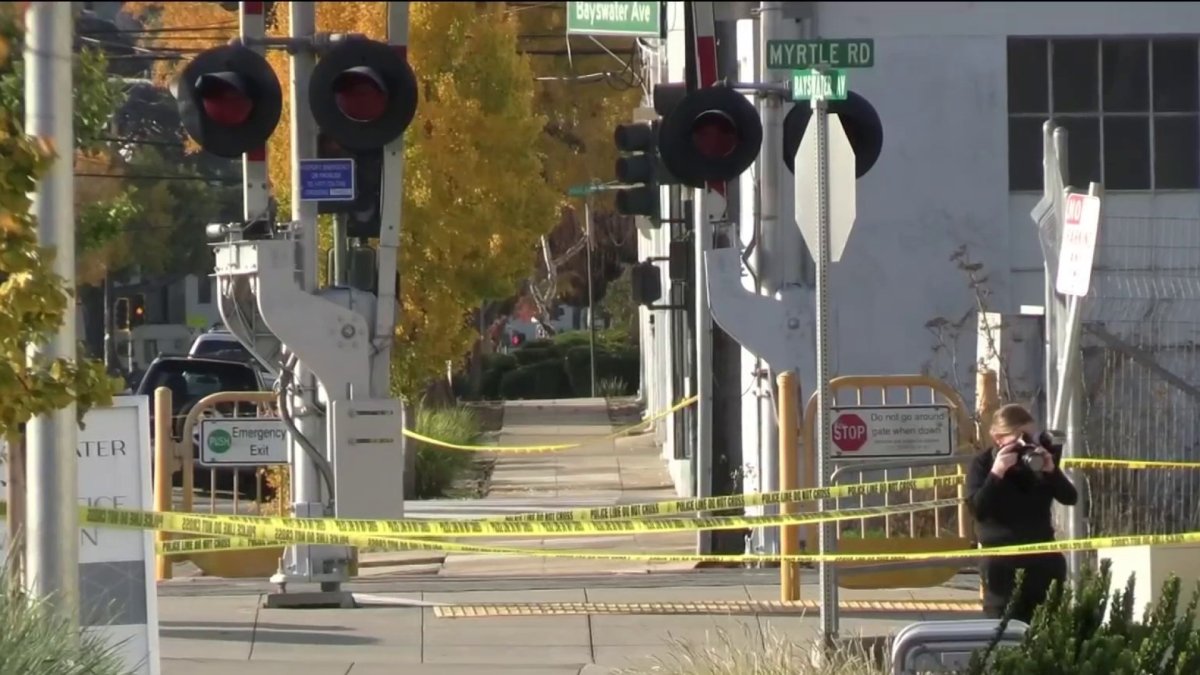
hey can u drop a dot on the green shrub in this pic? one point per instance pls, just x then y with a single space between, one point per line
530 355
623 365
573 338
33 641
494 368
438 468
1070 634
544 380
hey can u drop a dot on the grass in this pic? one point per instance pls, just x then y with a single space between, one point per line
438 470
772 654
33 641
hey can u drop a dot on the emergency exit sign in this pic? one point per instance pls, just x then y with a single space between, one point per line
804 54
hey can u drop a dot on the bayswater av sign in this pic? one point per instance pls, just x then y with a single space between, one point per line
631 19
117 589
882 432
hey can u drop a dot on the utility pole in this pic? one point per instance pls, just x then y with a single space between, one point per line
52 517
306 488
766 253
587 224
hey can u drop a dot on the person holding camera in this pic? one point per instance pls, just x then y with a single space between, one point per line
1010 489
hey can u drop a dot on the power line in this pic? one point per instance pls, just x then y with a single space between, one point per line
130 176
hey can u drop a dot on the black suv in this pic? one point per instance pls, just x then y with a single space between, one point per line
191 379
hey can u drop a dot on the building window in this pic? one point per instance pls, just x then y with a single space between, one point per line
151 350
1131 107
204 290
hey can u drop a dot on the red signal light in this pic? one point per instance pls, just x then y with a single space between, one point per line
224 99
360 94
714 134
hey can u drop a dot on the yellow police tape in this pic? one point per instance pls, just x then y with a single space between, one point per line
550 448
696 505
346 532
400 544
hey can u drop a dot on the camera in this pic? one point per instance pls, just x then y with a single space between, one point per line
1027 453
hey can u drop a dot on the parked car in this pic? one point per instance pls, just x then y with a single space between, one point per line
219 343
191 379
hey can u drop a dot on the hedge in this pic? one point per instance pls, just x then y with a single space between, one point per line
543 380
623 364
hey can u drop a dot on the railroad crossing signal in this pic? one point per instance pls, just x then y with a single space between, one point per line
229 100
712 135
363 94
859 120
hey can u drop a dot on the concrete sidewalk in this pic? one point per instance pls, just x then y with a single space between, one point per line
233 635
603 471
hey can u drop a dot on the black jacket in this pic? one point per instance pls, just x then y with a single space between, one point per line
1016 509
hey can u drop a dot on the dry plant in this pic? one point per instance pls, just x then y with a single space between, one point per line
767 653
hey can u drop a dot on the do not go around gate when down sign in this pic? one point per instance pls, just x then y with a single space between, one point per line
1081 225
875 432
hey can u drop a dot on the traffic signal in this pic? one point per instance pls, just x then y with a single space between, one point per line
713 134
646 279
863 128
638 142
517 339
137 310
363 94
229 100
121 314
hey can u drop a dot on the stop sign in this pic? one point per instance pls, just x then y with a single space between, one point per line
849 432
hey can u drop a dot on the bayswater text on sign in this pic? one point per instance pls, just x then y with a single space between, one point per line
642 19
878 432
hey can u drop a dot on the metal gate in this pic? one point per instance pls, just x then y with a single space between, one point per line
941 529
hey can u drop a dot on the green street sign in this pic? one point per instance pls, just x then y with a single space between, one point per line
829 85
802 54
219 441
631 19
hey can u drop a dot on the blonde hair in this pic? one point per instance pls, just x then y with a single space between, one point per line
1010 418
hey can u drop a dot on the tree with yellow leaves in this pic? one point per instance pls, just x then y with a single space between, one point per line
476 195
33 299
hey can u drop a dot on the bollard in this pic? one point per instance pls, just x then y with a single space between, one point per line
789 456
164 461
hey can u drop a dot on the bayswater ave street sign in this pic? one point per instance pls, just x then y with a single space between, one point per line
814 84
633 19
802 54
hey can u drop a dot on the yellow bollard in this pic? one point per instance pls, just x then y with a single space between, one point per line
164 462
789 460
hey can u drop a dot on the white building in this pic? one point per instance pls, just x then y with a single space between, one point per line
962 89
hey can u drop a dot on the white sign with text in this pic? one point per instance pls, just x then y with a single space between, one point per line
1081 225
117 588
881 432
243 442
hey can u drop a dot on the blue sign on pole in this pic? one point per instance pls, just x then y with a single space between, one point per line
327 180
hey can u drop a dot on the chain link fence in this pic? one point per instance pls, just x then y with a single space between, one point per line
1141 371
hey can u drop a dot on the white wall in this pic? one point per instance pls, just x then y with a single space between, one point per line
939 85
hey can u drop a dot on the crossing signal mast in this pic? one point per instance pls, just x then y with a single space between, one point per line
362 95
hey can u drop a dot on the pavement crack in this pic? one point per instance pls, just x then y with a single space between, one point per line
254 628
421 624
348 669
591 635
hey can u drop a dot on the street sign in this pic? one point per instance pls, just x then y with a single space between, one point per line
843 200
1081 223
327 180
877 432
243 442
811 84
631 19
801 54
